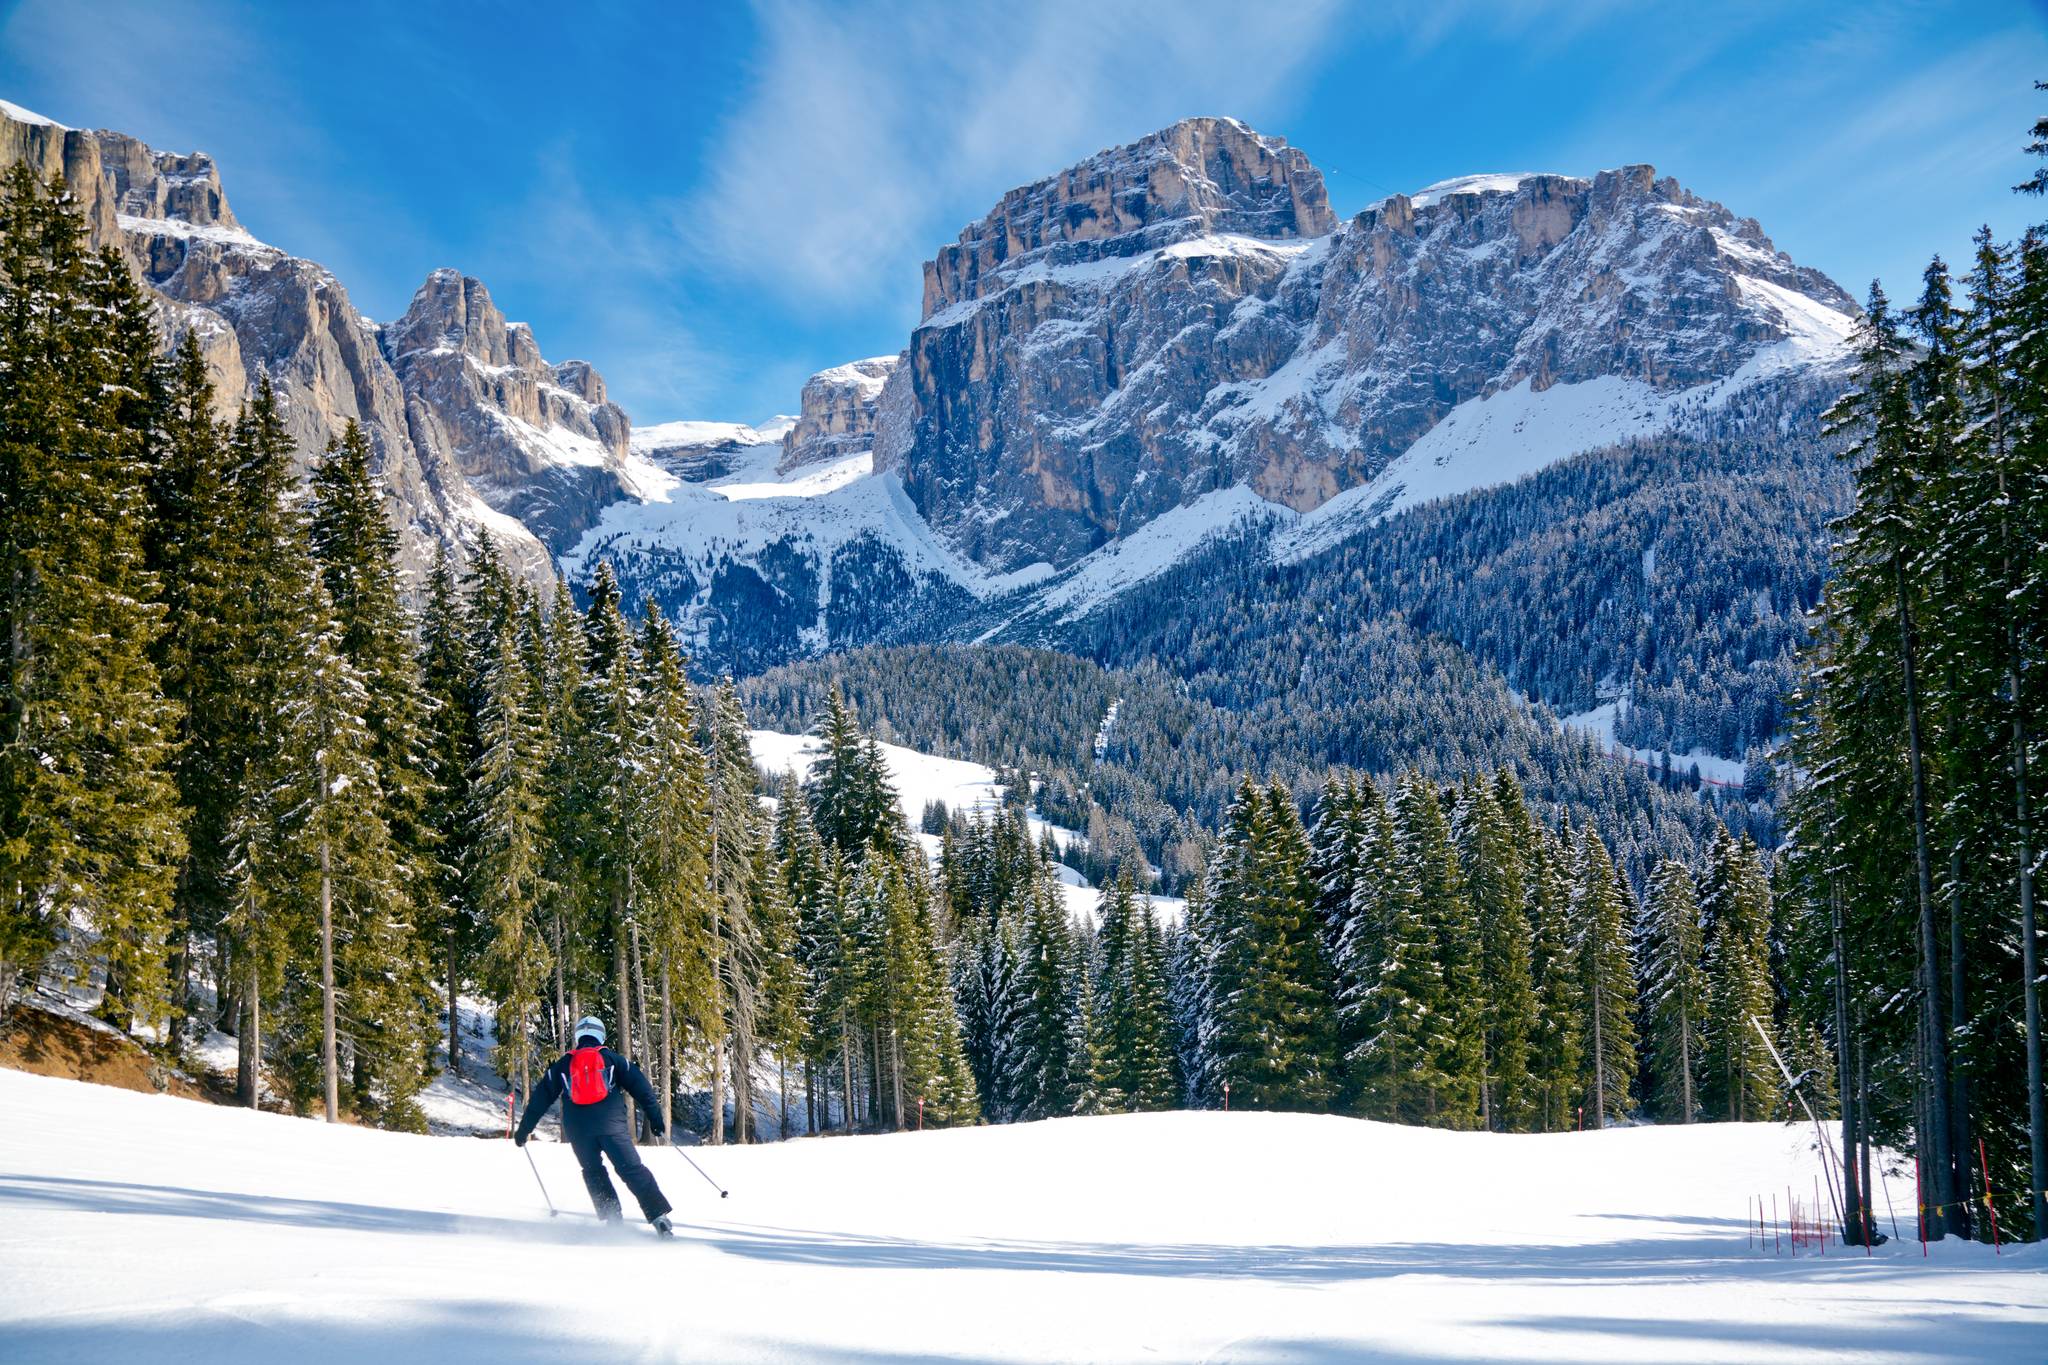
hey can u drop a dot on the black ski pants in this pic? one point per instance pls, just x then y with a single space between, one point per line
591 1149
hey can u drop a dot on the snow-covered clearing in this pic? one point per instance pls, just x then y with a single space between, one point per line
1600 721
142 1227
969 789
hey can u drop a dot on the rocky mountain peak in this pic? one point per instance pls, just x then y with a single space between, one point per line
538 442
837 417
164 185
1178 318
454 311
1198 177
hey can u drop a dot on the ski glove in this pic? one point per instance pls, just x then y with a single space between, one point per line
519 1139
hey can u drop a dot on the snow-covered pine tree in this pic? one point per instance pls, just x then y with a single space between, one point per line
1430 867
1740 1081
507 808
2008 397
1188 956
1396 1007
1150 1066
668 799
1558 1045
611 774
560 668
1602 919
1496 883
1874 613
356 549
1113 1023
803 862
1043 1059
1358 955
780 1020
1674 992
449 742
730 1027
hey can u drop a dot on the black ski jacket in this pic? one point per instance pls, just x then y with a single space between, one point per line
592 1120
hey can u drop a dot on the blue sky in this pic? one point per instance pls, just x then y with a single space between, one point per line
711 201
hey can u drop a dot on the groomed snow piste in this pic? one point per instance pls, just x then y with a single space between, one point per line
140 1227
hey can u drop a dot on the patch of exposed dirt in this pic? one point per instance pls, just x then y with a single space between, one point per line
52 1045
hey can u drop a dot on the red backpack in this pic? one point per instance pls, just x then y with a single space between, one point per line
590 1080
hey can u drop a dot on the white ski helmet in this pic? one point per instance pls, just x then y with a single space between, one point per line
590 1026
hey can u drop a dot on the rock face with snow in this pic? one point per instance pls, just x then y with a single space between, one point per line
838 413
1182 316
260 312
1066 335
538 442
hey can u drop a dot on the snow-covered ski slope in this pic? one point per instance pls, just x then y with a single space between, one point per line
143 1228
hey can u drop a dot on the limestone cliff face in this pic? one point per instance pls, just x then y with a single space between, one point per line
538 442
1183 315
471 431
1044 409
837 416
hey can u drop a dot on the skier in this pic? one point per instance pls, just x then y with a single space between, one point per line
592 1082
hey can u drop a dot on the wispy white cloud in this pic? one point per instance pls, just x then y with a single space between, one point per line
865 134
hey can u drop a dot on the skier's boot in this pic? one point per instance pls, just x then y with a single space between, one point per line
663 1228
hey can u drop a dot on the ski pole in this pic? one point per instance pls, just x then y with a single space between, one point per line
695 1167
552 1211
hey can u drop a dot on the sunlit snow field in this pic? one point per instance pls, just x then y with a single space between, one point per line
138 1227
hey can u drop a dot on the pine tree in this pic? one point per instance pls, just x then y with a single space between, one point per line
1496 883
668 835
1151 1079
1735 909
1674 987
1601 913
89 823
1875 613
506 813
733 945
449 744
356 548
1043 1061
1271 1032
195 550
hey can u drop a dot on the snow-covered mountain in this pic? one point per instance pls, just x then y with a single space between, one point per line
1176 339
1172 340
472 431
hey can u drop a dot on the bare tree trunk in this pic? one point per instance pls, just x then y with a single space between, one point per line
846 1065
782 1094
668 1052
875 1071
329 1070
1685 1058
1852 1213
1935 1137
249 1047
623 1026
640 1004
896 1072
1599 1053
454 1014
2030 949
1958 1020
563 1023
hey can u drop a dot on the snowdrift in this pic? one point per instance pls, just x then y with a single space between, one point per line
140 1227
